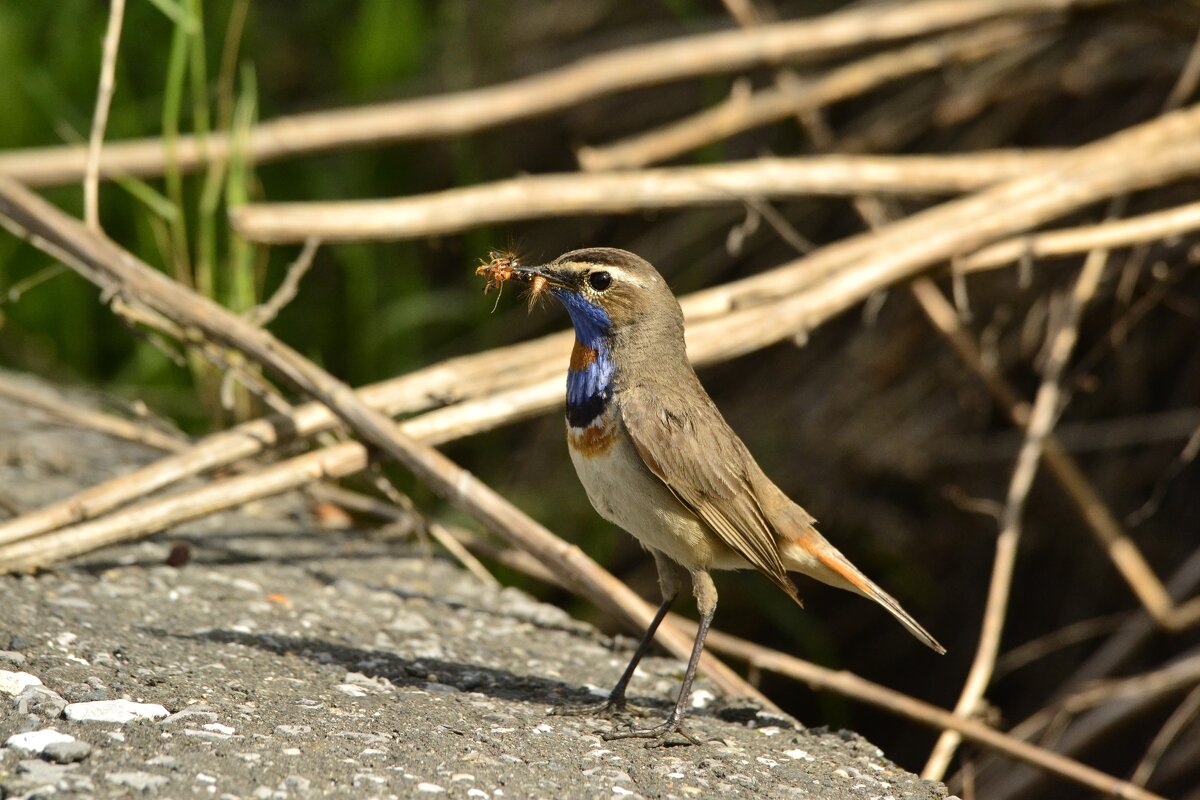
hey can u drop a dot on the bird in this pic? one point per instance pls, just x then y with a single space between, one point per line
656 458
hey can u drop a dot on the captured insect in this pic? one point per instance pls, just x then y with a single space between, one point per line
500 268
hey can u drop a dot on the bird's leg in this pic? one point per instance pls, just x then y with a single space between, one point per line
706 601
668 580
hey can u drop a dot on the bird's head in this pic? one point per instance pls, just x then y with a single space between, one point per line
609 293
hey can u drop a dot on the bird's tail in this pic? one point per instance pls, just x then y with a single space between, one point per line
811 554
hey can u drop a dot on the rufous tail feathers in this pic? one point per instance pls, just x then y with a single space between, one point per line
811 554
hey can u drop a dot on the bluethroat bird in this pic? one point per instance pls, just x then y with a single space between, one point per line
657 458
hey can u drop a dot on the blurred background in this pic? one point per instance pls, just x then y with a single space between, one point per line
872 423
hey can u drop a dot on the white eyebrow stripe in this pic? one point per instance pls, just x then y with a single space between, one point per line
616 272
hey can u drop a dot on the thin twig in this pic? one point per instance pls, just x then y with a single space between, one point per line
1109 234
1046 410
404 511
743 111
569 194
264 313
1113 707
850 685
1180 718
553 90
1120 647
1067 636
108 66
89 418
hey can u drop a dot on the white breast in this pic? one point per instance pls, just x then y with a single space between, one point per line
626 493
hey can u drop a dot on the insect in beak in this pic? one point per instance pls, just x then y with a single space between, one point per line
503 267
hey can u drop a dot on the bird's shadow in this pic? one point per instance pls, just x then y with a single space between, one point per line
415 672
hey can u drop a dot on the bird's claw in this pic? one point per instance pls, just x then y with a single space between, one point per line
659 735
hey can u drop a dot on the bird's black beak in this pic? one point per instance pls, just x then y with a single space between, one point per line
552 277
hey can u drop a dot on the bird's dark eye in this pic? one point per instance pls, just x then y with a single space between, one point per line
599 280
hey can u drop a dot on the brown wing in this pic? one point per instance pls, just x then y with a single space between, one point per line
688 445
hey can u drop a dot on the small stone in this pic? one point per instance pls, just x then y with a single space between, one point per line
293 730
36 742
37 773
217 727
351 690
143 782
440 688
170 762
297 783
37 699
429 788
191 716
118 711
12 658
12 683
67 752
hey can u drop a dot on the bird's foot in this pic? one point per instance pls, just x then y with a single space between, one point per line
612 708
668 734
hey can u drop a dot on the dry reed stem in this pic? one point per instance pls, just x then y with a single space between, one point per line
104 263
553 90
851 685
1180 718
265 313
568 194
745 110
1110 234
1120 549
89 418
1043 416
1109 708
108 66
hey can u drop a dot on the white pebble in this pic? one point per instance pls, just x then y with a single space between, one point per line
12 683
430 788
37 741
702 697
119 711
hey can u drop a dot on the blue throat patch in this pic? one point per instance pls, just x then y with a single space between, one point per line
589 381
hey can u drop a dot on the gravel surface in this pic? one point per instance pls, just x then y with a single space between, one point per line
286 662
